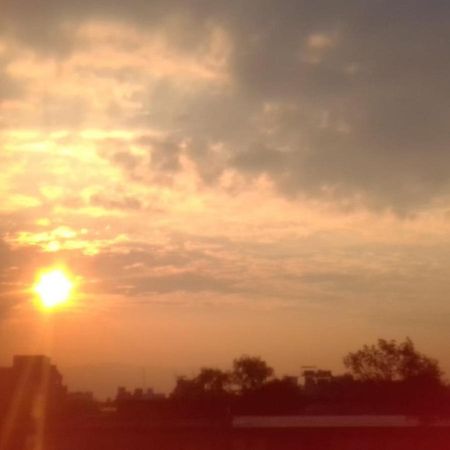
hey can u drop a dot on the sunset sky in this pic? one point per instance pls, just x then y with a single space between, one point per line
223 177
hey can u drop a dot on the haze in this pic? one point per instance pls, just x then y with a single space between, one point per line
223 177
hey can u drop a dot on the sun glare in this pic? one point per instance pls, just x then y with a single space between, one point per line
53 288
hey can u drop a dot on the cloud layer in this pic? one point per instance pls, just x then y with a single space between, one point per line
342 101
231 156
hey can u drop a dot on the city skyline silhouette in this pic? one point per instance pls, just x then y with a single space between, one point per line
187 182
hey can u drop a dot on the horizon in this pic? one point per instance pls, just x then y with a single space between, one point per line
104 380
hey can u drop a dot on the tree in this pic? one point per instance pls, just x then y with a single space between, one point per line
250 372
213 380
277 396
209 382
185 388
389 361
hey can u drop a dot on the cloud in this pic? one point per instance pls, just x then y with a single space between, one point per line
190 157
325 101
115 203
334 101
9 88
16 275
207 116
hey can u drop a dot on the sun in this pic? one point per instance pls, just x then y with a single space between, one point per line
53 288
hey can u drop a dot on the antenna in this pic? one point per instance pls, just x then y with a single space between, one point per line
144 379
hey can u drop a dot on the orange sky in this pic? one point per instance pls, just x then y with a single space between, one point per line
223 179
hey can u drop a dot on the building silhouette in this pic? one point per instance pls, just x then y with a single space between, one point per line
31 393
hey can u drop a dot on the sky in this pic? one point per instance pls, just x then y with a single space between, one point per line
223 178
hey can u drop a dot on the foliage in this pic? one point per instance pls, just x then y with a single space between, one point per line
213 380
209 382
392 361
250 373
276 396
385 377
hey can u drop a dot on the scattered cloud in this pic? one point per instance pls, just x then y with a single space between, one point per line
244 155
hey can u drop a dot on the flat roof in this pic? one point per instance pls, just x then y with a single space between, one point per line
350 421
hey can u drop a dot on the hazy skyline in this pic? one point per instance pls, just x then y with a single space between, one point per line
224 177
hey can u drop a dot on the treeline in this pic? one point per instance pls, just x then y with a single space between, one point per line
388 377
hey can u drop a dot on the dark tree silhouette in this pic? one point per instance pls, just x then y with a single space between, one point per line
277 396
208 394
391 361
250 372
185 388
213 380
208 382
